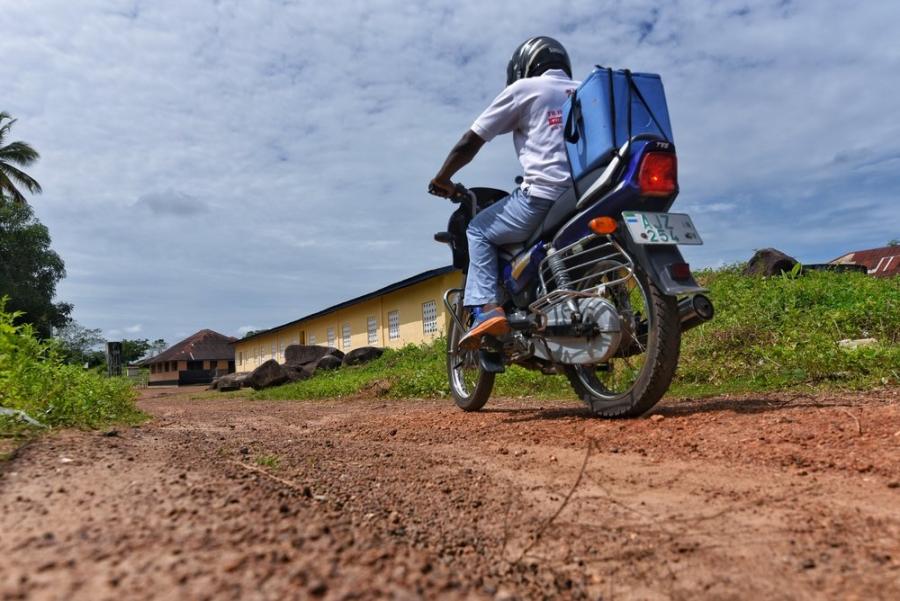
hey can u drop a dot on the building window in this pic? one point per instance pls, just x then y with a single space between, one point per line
429 317
330 334
194 365
240 357
394 325
312 339
372 330
281 348
273 350
345 335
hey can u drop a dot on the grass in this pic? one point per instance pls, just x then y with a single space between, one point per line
768 333
269 461
34 379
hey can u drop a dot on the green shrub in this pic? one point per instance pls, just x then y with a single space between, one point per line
34 379
767 333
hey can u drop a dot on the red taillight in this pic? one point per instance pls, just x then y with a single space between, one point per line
658 175
680 271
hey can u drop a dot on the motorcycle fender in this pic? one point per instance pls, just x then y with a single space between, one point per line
656 259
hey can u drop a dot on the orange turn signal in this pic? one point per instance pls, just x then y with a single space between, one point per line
602 225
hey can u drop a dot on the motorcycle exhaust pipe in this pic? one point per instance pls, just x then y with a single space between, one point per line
695 310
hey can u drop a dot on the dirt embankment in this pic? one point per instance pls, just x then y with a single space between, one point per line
775 497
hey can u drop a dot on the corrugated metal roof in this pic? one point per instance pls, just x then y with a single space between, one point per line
425 275
202 346
882 262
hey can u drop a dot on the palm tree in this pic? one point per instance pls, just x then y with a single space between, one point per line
15 153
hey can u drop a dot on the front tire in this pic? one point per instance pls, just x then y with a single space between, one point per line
470 385
640 373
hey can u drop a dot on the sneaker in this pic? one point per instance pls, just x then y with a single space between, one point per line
491 322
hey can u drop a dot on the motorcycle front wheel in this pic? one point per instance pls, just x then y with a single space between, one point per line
640 372
470 385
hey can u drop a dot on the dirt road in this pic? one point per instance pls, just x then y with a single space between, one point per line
770 497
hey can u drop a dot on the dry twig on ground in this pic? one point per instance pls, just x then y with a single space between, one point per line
543 527
288 483
856 419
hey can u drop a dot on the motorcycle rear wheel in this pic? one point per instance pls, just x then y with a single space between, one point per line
637 377
470 385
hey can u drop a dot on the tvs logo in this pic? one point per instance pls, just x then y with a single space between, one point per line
554 117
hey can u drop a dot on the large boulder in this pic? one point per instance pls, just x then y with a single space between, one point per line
301 354
297 372
328 362
269 374
769 261
229 381
362 355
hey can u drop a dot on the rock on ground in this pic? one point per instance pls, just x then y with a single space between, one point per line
269 374
328 362
362 355
228 382
297 372
309 353
768 262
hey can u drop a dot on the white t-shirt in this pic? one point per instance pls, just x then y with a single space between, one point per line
531 108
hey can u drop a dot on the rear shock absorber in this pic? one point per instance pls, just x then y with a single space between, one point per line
563 282
558 269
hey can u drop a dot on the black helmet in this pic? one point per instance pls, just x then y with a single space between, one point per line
536 55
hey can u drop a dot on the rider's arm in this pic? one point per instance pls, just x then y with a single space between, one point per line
460 156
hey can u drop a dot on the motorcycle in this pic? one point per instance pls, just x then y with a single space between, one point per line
599 292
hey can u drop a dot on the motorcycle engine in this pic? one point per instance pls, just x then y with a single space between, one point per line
602 328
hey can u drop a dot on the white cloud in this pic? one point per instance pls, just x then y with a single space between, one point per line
210 164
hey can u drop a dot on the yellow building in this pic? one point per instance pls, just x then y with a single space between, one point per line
407 312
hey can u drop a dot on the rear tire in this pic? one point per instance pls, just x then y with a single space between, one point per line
658 356
470 385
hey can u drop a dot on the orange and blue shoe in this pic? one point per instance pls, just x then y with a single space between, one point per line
492 322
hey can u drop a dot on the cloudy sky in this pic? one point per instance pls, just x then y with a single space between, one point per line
237 164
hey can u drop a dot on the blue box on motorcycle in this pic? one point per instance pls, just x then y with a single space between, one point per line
608 108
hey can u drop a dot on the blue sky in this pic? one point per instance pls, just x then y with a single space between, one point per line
238 164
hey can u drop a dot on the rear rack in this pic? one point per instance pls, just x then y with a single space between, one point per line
562 271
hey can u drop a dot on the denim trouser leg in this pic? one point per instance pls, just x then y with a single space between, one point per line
507 221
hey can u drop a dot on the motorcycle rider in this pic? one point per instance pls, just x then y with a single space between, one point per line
539 80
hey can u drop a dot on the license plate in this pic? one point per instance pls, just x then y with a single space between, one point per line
661 228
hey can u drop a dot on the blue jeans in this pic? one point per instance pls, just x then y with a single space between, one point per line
508 221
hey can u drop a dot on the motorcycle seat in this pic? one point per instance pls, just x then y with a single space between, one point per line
563 208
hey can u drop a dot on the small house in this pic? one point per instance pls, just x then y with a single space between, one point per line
195 360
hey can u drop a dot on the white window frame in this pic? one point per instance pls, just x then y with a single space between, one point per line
346 336
312 339
329 333
429 318
273 349
372 330
394 324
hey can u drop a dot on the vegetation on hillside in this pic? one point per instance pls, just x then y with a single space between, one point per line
768 333
34 380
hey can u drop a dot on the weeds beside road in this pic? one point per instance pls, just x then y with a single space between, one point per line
35 381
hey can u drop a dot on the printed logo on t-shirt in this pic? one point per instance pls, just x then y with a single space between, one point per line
554 117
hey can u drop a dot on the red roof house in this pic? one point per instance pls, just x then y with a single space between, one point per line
881 262
194 360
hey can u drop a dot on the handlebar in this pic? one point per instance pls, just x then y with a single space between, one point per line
460 193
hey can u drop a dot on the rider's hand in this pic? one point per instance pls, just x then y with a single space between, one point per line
442 187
